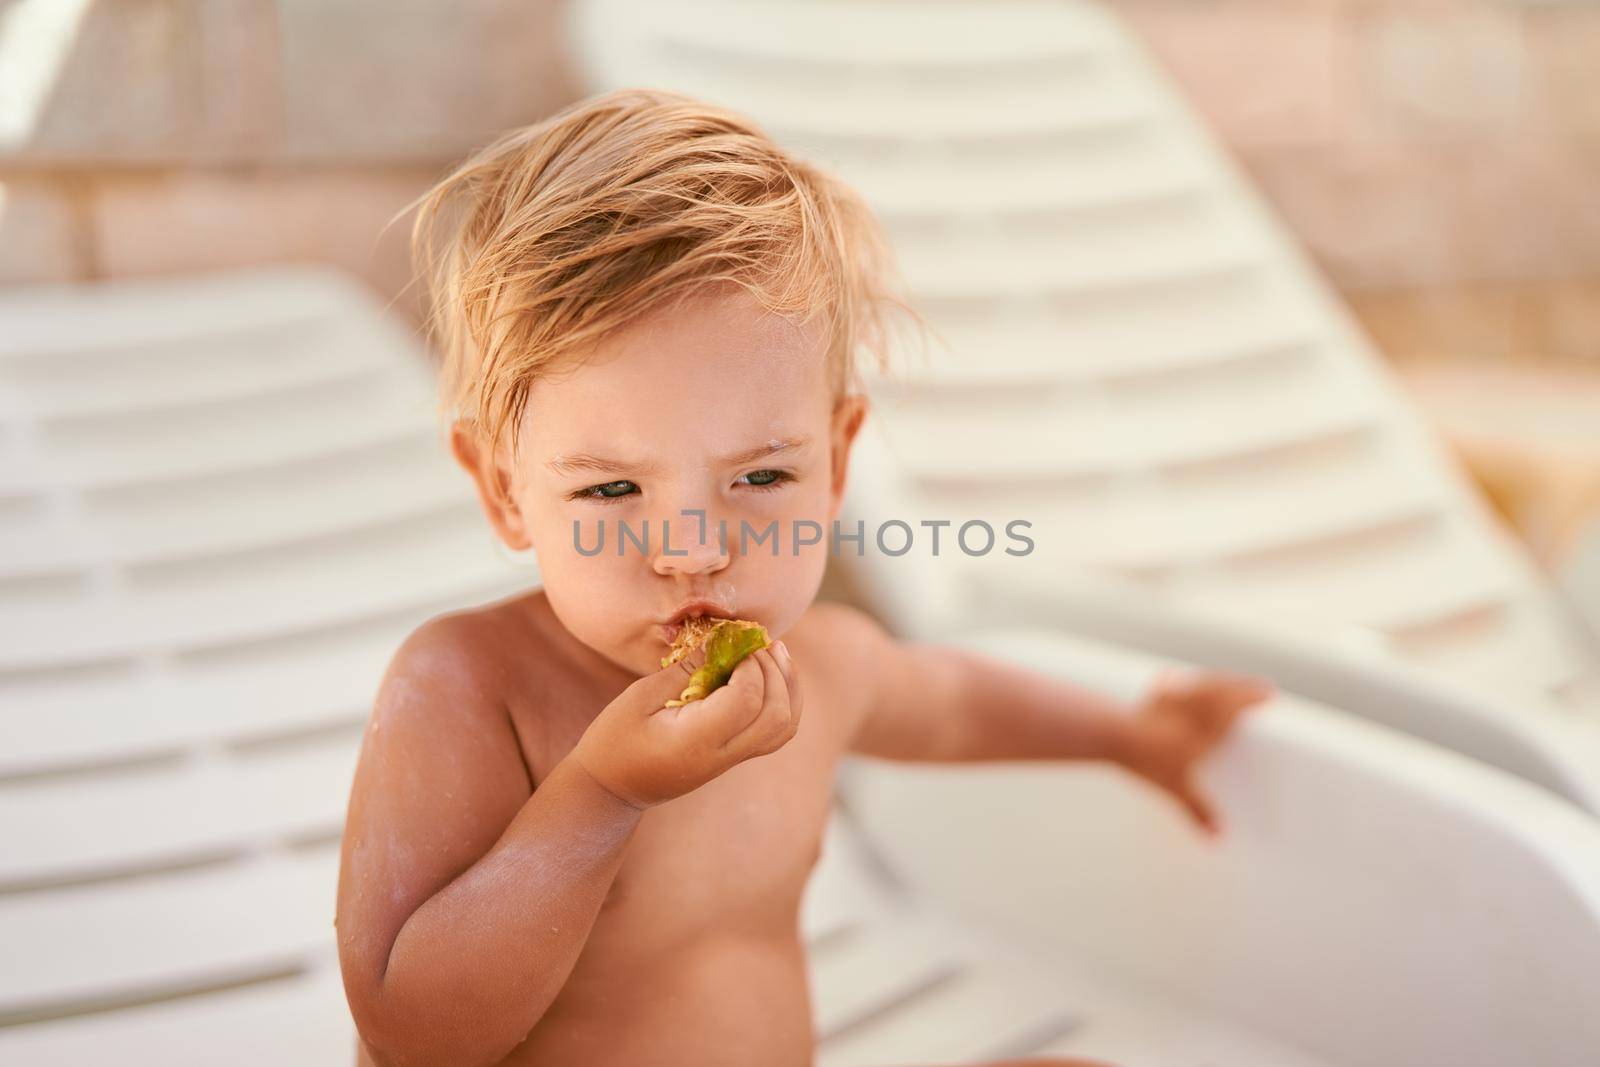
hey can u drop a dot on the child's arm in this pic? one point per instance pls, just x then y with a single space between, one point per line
937 703
465 896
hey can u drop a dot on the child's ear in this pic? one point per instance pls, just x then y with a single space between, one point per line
492 475
848 414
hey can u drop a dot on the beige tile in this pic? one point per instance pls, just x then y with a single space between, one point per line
1373 217
1433 325
1441 71
1548 324
123 90
1569 325
1509 220
39 233
240 104
189 222
415 79
1564 59
1261 73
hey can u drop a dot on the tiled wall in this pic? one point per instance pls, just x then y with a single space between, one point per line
190 134
1409 142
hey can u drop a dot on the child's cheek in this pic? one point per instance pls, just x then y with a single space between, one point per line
786 581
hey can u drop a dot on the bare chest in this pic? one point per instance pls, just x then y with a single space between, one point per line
732 857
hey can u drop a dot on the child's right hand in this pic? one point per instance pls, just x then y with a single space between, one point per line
645 753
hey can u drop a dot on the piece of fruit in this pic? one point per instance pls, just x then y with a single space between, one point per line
692 633
726 641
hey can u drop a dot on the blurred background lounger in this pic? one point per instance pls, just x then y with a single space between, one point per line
223 501
1140 362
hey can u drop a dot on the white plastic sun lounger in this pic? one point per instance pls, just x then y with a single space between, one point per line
223 503
1141 363
1378 900
173 788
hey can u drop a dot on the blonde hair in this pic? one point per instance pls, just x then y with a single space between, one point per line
559 233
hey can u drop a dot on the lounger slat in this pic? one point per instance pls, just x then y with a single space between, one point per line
1135 1034
242 512
990 1009
77 829
1238 523
99 452
873 971
1532 653
236 600
1425 573
197 371
296 1020
138 314
1133 170
1084 433
844 893
93 946
824 116
1074 258
320 680
945 37
1117 343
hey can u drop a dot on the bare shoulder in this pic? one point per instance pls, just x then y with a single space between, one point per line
844 649
463 653
840 628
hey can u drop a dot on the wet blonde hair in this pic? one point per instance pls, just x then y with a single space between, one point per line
559 233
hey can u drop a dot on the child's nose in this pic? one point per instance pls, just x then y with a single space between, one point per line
690 547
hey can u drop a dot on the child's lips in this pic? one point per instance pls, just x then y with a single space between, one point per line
699 606
668 631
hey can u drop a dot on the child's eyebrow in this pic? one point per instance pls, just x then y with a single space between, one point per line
771 448
583 462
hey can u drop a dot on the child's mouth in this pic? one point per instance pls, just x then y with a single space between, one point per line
696 619
669 631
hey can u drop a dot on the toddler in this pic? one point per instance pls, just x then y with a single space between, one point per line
650 318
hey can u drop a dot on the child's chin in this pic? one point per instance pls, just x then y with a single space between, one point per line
645 658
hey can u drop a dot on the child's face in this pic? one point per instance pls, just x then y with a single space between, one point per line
716 406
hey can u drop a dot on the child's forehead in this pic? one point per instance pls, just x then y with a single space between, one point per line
715 365
719 345
720 322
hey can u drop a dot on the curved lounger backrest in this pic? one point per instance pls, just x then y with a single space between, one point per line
1375 900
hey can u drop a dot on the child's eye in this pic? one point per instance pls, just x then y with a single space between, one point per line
766 479
607 490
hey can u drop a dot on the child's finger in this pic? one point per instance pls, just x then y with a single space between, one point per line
1226 697
666 684
791 678
732 708
1199 808
774 725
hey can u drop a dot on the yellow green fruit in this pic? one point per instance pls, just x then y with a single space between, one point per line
726 646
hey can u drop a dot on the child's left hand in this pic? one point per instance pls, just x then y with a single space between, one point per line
1185 715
